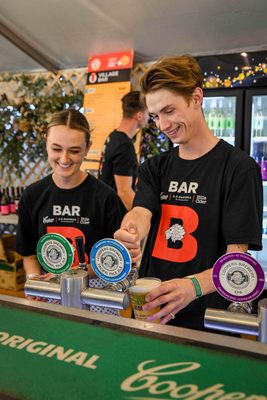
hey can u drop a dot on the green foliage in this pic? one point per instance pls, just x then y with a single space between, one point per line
153 142
23 120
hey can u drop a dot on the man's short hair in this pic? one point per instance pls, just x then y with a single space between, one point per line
132 103
179 74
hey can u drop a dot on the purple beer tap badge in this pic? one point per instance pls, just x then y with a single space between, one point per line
238 277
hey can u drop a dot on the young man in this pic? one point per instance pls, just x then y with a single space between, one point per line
195 202
119 161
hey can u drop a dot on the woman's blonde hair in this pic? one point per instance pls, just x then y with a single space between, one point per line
180 74
73 119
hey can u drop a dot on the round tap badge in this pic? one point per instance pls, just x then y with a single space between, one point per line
110 260
238 277
55 253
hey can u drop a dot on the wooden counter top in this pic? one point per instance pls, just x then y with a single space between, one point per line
17 293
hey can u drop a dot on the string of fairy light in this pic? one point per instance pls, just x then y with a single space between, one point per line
214 80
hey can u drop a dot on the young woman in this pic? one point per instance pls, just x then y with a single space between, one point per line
69 201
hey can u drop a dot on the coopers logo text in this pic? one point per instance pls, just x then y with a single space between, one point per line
149 378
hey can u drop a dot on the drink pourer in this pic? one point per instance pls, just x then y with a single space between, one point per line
81 252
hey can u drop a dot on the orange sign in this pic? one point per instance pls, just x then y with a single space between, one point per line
111 61
107 82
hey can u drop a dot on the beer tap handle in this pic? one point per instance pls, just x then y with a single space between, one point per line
81 252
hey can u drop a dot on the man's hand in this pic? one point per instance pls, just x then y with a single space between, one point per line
172 296
129 237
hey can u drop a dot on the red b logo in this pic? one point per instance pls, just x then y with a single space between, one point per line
188 244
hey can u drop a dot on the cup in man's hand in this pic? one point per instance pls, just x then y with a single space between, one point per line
138 294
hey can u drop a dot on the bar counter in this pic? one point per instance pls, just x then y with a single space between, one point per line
52 352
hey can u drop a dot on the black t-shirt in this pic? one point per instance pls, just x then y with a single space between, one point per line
92 210
118 158
199 207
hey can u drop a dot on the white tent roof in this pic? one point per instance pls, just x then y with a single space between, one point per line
60 34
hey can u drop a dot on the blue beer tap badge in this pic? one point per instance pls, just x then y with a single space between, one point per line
55 253
110 260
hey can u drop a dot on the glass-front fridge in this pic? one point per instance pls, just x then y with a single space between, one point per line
239 116
223 111
255 135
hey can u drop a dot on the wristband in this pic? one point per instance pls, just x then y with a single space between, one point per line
196 285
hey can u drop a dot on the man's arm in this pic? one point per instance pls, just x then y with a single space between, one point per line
125 190
134 227
31 265
176 294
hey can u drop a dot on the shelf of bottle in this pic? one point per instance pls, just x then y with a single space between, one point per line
259 139
11 219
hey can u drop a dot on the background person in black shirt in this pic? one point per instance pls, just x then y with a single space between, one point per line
118 167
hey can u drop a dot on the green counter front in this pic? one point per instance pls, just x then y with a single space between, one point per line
51 352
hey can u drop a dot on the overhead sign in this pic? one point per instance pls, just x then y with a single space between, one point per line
111 61
112 67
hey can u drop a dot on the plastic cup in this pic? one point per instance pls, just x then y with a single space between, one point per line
138 294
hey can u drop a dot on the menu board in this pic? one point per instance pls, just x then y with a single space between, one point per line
108 81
